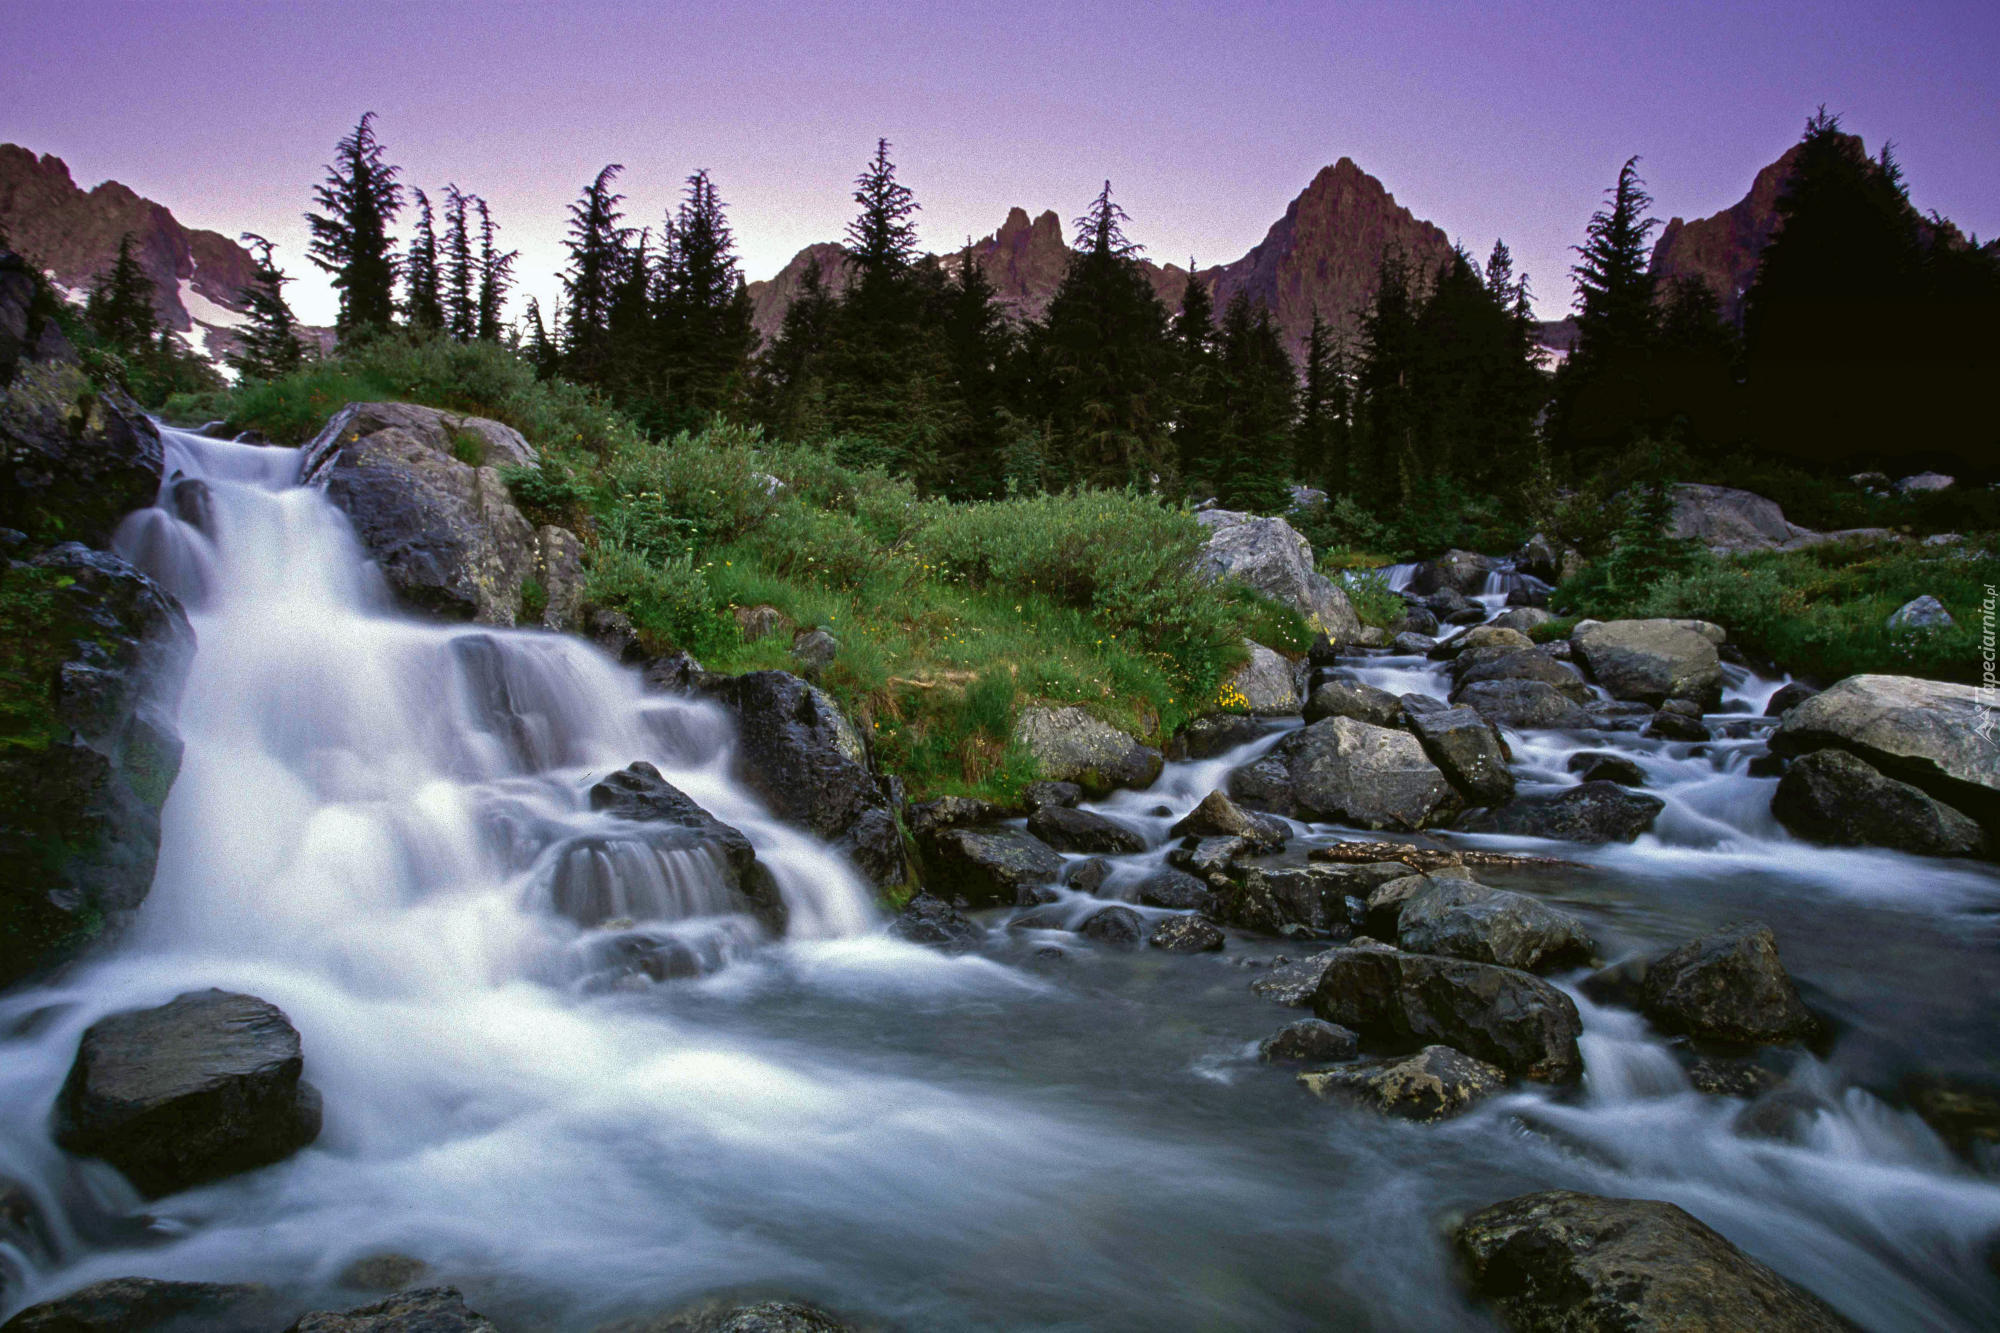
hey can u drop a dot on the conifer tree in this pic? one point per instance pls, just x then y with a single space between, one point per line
1381 459
420 270
456 278
1196 392
119 309
979 351
629 340
882 239
792 376
1104 359
1320 438
496 276
597 245
1254 467
542 354
701 312
1603 394
268 344
350 240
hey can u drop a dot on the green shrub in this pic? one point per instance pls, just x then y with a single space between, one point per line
1373 602
469 448
549 494
534 601
668 601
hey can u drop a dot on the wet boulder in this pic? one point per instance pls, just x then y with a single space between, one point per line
1372 777
736 1316
1523 619
1677 720
424 490
1175 890
1537 557
203 1087
1294 984
1382 905
1563 1260
1435 1083
987 867
1923 732
1119 927
1965 1112
1071 830
1598 766
1312 1041
1417 619
1217 733
1036 795
1651 660
1219 817
1410 643
1788 696
1072 746
1402 1002
1831 796
1727 986
1524 705
1461 918
1266 683
1209 858
1460 571
952 812
1269 556
152 1305
94 657
797 752
1186 934
1591 812
1086 876
1468 750
424 1310
1302 901
1350 698
674 823
928 919
1264 785
1479 665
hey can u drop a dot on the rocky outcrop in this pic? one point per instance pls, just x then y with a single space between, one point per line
1592 812
987 867
1309 1041
1833 797
673 823
1351 698
1216 816
203 1087
1371 777
1436 1083
1468 750
1461 918
1267 682
1563 1260
1186 934
1931 734
1651 660
1402 1002
1069 830
1072 746
1524 705
151 1305
1729 521
1727 986
425 1310
1505 662
1307 902
424 491
796 751
931 920
1271 557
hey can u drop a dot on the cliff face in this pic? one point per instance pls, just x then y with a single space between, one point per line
1322 254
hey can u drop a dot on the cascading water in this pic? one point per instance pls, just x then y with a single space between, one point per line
381 827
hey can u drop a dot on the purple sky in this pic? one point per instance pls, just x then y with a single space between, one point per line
1505 118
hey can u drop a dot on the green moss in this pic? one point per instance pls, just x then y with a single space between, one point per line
469 447
33 647
534 602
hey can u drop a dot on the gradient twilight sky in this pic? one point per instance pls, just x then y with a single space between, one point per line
1506 118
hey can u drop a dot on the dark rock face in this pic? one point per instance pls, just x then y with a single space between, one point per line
1175 890
1069 830
1436 1083
1209 858
1727 986
1402 1002
1965 1113
1372 777
951 812
931 920
74 459
1831 796
1788 697
1305 902
640 794
198 1089
1207 737
1671 724
1563 1260
1652 660
1264 785
98 651
1468 750
988 867
796 751
426 1310
1480 665
1593 812
1309 1041
1039 794
149 1305
1463 919
445 532
1186 934
1219 817
1350 698
1525 705
1597 766
1116 926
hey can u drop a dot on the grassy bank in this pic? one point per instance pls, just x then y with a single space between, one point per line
951 617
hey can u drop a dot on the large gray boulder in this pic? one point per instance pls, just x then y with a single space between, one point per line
1307 902
1216 816
1461 918
1590 812
95 652
1831 796
1651 660
152 1305
1351 698
1726 986
1463 572
1436 1083
1729 521
1267 682
987 867
1480 665
1072 746
424 490
797 751
1468 750
1368 776
1269 555
1932 734
1560 1260
1071 830
1524 705
1403 1001
203 1087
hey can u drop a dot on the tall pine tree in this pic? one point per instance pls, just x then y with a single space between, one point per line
421 305
1255 466
119 309
1604 397
457 280
268 343
350 240
1195 396
597 245
496 277
1320 439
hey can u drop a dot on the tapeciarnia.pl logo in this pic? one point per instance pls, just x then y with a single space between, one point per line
1989 684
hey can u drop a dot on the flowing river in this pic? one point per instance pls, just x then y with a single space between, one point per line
376 817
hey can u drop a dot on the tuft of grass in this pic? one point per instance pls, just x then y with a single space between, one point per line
1373 601
469 448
